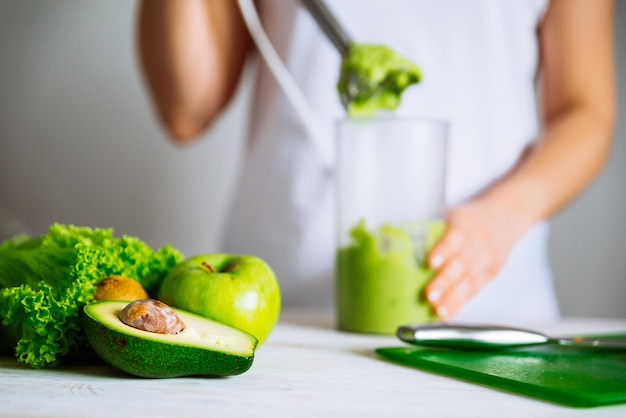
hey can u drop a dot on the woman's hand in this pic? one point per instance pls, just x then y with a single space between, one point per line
470 254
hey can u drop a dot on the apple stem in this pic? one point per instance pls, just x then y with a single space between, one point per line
206 266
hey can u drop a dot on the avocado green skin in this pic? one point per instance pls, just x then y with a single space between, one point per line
151 359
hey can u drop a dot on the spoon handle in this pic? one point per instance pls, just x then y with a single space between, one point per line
329 24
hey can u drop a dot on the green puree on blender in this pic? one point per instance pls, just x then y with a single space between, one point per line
372 78
381 271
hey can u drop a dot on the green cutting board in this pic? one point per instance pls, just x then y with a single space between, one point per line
564 375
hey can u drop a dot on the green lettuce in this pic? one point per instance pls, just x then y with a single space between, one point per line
45 282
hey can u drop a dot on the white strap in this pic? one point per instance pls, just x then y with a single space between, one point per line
285 79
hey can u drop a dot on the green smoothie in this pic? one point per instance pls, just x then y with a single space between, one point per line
372 78
380 278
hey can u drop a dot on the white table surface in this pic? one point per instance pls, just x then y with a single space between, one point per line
305 369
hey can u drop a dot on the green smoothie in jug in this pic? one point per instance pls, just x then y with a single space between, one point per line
381 277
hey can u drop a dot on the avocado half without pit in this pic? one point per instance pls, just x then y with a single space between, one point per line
147 338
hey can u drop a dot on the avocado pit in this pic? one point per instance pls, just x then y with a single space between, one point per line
153 316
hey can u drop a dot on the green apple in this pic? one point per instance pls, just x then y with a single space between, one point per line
236 290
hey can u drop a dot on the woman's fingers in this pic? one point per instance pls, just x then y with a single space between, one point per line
439 289
465 260
457 284
439 260
450 243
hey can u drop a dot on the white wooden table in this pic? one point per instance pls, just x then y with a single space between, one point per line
305 369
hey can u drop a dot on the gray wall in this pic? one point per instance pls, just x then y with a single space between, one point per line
79 144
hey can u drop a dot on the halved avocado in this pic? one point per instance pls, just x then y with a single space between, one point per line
204 347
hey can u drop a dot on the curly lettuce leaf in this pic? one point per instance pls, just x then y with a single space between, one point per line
45 282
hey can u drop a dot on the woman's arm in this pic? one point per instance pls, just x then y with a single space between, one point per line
192 53
576 44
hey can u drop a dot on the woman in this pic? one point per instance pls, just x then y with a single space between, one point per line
510 170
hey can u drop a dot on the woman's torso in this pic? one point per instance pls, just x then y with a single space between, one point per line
479 61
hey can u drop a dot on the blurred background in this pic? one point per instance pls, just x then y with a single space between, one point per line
79 144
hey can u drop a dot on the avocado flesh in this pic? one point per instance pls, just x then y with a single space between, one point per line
204 347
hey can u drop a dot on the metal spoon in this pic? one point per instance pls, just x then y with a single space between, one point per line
357 84
490 337
329 25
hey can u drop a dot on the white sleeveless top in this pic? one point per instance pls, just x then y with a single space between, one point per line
479 61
